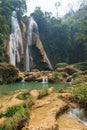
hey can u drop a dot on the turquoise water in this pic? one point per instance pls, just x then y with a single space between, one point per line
7 88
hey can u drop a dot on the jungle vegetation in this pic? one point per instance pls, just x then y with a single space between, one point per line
64 39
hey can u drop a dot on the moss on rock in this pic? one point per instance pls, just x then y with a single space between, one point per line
8 73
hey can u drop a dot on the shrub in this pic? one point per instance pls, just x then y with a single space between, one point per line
8 73
81 66
12 110
17 121
17 115
1 128
28 103
61 65
1 114
81 93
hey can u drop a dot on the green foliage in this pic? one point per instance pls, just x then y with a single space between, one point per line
81 66
17 115
80 94
12 110
78 32
6 8
29 102
17 121
51 32
8 73
23 96
60 65
1 114
64 39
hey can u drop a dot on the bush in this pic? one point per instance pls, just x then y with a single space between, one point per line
29 99
1 128
61 65
17 115
28 103
8 73
17 121
81 93
81 66
12 110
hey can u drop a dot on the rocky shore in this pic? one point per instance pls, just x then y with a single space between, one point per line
51 112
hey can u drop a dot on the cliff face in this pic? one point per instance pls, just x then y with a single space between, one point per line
38 57
25 48
39 45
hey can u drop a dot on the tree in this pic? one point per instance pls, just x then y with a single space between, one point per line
52 31
82 3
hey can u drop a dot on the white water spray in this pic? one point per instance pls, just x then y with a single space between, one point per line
32 25
15 43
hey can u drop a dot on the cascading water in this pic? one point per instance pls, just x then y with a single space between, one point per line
33 28
12 50
32 25
15 43
79 114
16 49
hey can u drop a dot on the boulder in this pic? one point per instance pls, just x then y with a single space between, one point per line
30 78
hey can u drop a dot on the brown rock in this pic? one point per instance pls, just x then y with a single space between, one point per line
50 90
34 93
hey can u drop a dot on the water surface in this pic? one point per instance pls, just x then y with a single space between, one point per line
7 88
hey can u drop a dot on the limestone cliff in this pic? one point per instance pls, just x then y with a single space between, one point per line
25 47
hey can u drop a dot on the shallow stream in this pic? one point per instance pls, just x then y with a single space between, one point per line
79 114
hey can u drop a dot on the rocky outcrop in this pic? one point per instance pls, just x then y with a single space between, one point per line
31 41
8 73
52 76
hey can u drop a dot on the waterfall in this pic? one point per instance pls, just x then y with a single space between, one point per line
15 43
79 114
32 25
12 49
33 29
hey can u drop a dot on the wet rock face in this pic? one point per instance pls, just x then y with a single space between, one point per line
34 52
38 76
